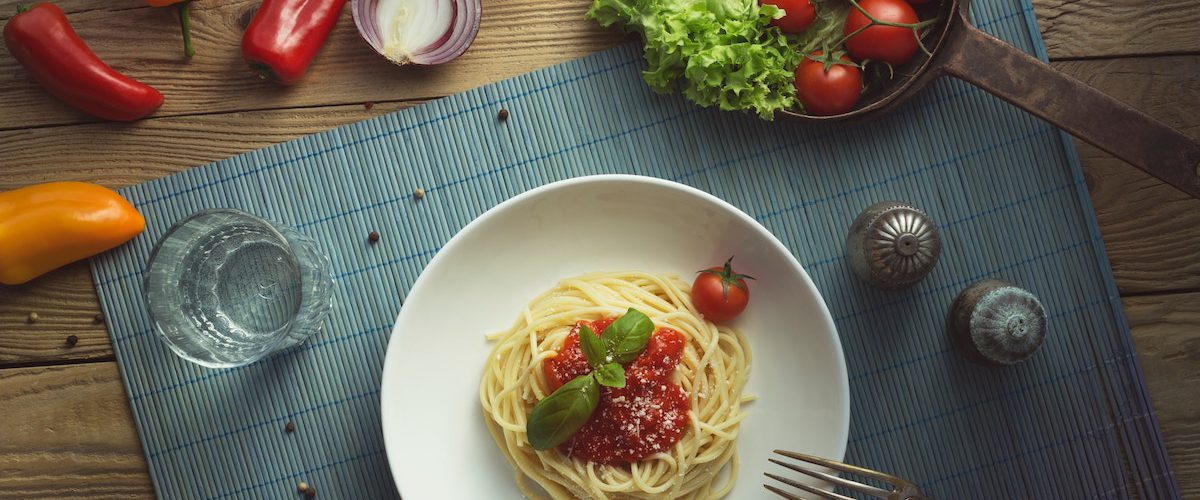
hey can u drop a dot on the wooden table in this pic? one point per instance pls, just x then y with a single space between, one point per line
67 427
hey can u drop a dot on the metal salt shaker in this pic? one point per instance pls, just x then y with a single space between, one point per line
893 245
996 323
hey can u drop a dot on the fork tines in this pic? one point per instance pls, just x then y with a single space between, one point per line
812 471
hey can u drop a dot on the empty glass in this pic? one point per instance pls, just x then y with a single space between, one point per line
225 288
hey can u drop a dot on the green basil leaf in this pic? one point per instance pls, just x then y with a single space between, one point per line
593 349
625 338
560 415
611 375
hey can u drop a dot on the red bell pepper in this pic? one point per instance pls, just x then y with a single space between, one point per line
285 35
45 44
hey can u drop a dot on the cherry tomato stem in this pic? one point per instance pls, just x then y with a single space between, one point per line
882 30
828 86
719 294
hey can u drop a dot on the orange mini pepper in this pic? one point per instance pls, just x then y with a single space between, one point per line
46 226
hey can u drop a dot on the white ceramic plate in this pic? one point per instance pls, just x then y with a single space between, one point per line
437 442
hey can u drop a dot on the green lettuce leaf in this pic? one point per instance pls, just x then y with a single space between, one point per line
716 52
721 53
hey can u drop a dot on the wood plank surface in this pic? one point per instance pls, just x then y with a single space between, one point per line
66 304
68 433
1166 330
1118 28
120 156
1151 230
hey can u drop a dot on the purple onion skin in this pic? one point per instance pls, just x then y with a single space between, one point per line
464 26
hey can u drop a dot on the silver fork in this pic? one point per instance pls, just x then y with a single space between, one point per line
901 489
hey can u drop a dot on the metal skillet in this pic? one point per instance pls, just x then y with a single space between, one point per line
967 53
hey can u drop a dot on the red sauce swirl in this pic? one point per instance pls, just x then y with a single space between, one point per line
631 423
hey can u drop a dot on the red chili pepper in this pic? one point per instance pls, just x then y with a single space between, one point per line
45 44
285 35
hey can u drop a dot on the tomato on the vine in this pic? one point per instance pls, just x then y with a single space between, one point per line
891 44
798 15
719 294
831 91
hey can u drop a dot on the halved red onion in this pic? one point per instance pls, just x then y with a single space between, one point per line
425 32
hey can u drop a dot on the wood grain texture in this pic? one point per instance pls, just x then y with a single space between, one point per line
66 304
1166 330
120 156
68 433
1151 230
1111 28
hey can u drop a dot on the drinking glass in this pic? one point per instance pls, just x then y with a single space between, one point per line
225 288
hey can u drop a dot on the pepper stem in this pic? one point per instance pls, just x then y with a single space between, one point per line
21 7
262 70
185 23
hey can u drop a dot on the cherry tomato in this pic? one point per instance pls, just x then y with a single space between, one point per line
827 92
891 44
719 293
798 15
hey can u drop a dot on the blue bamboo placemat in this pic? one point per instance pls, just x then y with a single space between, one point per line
1005 188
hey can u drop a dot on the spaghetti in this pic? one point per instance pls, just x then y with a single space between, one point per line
712 372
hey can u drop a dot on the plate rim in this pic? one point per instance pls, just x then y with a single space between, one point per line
390 360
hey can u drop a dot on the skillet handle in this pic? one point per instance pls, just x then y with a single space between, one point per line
1087 113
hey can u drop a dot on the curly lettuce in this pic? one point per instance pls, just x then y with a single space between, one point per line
716 52
720 53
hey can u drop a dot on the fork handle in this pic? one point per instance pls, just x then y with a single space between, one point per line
910 492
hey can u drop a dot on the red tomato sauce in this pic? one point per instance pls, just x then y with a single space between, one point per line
631 423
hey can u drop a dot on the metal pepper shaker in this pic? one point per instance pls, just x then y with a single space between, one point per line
994 322
893 244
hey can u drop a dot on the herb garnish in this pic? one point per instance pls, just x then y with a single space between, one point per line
559 416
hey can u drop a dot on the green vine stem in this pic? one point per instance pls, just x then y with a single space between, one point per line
185 23
915 27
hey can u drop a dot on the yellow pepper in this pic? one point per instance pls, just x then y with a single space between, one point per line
185 8
46 226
